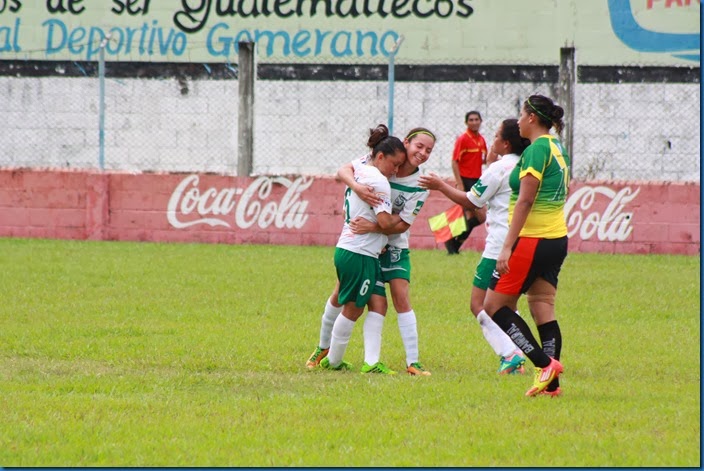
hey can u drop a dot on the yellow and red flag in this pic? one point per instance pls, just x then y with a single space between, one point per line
448 224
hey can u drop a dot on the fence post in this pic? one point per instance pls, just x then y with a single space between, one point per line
392 79
101 102
245 115
566 90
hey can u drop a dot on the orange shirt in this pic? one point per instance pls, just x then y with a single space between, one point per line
469 148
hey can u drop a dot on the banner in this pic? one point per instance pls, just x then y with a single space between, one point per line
605 32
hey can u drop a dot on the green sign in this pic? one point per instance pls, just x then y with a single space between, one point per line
604 32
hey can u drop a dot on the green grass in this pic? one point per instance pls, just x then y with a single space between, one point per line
136 354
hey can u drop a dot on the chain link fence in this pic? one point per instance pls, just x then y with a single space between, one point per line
311 118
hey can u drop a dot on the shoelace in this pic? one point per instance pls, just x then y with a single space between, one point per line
315 354
381 368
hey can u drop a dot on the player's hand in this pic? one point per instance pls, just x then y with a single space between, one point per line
431 181
502 261
360 225
367 194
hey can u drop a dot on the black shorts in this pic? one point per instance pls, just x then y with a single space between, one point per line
468 183
531 258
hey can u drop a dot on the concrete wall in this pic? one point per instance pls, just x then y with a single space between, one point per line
604 217
626 131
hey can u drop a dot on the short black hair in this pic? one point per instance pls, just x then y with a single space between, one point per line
470 113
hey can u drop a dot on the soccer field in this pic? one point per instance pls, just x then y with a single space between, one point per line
140 354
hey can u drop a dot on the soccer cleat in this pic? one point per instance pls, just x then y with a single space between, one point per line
453 247
512 364
316 357
544 376
557 392
377 367
325 364
416 369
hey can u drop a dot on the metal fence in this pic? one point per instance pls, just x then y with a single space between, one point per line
311 118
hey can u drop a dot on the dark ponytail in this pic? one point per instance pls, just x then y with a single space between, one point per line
380 141
549 114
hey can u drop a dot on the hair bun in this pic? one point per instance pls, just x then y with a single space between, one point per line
557 112
381 129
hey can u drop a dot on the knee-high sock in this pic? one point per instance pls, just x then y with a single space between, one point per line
329 315
497 338
373 326
551 338
407 325
341 333
520 333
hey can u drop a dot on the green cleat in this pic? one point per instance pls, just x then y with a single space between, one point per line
512 364
325 364
377 367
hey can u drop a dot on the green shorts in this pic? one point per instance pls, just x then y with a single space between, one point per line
395 263
482 275
359 276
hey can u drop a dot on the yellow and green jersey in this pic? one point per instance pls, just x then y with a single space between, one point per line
547 161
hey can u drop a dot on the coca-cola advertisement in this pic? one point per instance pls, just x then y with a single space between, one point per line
603 217
233 207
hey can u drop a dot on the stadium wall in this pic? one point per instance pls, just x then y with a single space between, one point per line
620 130
603 216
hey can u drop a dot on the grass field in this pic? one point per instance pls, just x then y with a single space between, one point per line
137 354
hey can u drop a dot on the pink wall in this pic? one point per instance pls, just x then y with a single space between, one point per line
606 217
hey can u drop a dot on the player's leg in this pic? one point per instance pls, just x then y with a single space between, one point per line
541 300
373 327
511 359
397 272
330 313
357 276
471 219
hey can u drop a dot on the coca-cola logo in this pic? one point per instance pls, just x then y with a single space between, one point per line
190 205
611 224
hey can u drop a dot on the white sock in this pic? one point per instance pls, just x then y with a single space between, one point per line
497 338
373 325
409 335
341 333
329 315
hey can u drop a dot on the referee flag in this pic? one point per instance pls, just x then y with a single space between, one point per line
448 224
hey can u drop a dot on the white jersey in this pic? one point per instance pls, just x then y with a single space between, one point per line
366 244
493 190
407 199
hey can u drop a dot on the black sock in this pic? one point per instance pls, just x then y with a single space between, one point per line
472 223
551 338
517 329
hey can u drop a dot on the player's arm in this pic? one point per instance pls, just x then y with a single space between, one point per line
480 214
384 219
359 225
456 173
434 182
366 193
